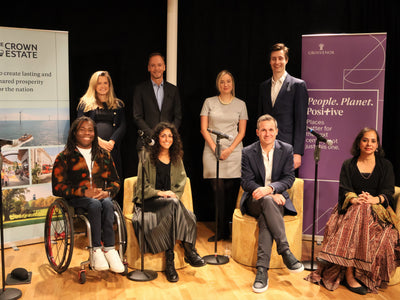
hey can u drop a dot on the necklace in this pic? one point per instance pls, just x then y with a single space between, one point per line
366 176
366 167
225 103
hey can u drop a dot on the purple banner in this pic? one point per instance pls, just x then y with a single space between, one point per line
345 76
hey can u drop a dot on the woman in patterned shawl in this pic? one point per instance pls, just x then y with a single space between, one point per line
361 247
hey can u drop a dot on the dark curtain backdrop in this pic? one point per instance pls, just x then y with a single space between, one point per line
236 35
213 35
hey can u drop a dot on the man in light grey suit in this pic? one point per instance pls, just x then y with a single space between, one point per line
267 172
156 100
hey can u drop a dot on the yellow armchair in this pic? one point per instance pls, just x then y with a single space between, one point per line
155 262
245 231
396 276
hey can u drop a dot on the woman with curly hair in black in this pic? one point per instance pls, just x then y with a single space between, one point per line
165 217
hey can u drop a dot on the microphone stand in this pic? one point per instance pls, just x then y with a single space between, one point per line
215 259
10 293
142 274
311 265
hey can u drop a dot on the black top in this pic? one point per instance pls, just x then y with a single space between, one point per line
111 123
379 182
163 177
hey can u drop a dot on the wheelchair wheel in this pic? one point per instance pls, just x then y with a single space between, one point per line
59 236
123 242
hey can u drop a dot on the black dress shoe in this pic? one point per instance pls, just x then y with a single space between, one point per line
361 290
170 271
260 284
291 262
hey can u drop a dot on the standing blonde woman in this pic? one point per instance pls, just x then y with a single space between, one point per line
227 114
101 105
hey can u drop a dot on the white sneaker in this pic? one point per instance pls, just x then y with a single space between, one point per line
99 261
114 261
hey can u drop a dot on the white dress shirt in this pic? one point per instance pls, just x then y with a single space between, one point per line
276 87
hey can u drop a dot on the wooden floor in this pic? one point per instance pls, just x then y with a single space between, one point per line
229 281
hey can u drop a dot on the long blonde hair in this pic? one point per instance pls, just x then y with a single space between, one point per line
89 100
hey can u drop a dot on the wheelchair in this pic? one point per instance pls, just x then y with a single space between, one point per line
63 222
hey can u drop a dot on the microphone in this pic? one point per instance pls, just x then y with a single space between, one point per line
320 137
147 140
220 134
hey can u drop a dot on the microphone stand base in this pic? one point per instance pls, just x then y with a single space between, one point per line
310 265
139 275
215 259
10 294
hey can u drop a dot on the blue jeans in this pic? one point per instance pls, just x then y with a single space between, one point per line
100 214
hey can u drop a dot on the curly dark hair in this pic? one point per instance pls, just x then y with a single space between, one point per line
71 142
355 149
176 149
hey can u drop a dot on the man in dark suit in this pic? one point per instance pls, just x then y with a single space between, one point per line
156 100
286 99
267 172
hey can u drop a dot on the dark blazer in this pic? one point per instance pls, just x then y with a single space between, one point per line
146 113
290 110
253 172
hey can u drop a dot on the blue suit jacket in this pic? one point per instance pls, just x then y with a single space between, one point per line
290 110
253 172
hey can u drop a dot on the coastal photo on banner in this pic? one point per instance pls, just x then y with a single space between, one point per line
34 113
345 76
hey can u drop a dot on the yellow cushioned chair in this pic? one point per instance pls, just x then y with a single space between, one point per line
245 231
155 262
396 276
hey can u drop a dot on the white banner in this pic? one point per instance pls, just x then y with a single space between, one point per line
34 109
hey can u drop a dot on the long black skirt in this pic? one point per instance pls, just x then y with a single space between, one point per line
165 221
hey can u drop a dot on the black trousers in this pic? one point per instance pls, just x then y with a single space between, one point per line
225 193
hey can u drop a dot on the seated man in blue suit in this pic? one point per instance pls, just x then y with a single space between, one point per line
267 172
286 99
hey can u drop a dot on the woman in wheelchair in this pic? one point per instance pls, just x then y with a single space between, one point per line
84 174
165 217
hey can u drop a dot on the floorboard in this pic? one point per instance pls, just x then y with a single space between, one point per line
230 281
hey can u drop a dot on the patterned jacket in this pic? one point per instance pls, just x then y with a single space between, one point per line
71 177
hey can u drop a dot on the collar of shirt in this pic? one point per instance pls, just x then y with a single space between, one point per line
155 85
280 80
